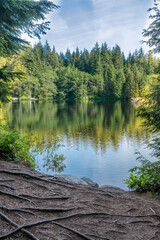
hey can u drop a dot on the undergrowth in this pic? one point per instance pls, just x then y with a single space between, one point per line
14 147
145 178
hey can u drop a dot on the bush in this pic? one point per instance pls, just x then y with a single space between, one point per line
145 178
14 147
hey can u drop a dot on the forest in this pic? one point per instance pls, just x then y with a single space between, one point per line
40 72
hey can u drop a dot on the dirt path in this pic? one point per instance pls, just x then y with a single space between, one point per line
36 206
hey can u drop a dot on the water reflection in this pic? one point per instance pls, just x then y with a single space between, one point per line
52 162
99 139
101 123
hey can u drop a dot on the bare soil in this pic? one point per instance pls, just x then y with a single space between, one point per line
37 206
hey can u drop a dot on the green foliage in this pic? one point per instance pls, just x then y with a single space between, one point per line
14 147
17 16
150 107
5 83
79 75
145 178
47 149
101 73
79 120
152 32
54 162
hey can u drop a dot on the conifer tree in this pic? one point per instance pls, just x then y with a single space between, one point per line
17 17
152 32
47 54
22 16
54 61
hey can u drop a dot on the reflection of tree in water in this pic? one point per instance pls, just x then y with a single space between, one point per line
101 123
52 161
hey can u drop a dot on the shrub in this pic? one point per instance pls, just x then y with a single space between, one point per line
145 178
14 147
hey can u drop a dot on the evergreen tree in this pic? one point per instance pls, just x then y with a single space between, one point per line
150 64
129 84
118 84
84 61
39 59
17 16
47 54
110 76
54 60
76 59
95 60
61 59
152 32
29 61
67 58
117 58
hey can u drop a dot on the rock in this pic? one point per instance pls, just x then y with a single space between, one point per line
110 188
71 178
90 182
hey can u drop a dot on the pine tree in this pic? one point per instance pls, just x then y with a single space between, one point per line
129 84
84 61
54 60
47 54
152 32
67 58
17 16
39 59
150 64
117 58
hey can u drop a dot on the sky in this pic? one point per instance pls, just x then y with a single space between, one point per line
82 23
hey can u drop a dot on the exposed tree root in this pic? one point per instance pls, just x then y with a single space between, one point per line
48 209
72 230
95 236
63 210
7 186
16 230
45 198
15 196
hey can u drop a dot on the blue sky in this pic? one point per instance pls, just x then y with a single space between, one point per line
82 23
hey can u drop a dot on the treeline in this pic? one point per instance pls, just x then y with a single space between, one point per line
101 73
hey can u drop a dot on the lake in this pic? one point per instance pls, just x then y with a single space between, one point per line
98 140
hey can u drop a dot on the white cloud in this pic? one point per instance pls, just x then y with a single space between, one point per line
82 23
120 22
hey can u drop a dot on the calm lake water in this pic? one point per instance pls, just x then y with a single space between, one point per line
98 140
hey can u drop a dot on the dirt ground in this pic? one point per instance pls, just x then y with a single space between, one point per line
37 206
